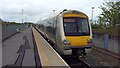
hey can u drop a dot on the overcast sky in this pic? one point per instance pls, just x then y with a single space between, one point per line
35 10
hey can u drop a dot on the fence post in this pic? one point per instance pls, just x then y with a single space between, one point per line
106 39
118 29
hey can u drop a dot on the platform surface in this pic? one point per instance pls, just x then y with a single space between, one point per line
11 46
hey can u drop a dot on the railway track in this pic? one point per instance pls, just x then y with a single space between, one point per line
72 61
75 62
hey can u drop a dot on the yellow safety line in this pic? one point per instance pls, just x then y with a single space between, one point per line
43 59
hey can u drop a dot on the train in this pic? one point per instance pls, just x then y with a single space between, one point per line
70 31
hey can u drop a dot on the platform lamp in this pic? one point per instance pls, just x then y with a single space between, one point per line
92 14
53 12
22 15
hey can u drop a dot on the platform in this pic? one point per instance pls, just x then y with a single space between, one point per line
48 56
19 50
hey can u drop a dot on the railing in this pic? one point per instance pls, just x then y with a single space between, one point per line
107 41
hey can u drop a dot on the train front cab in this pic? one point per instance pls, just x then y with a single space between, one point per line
77 32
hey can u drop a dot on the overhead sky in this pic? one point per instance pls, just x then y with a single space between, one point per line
34 10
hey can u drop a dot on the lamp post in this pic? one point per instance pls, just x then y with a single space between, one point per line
53 12
92 14
22 15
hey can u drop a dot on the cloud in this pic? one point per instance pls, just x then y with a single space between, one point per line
35 10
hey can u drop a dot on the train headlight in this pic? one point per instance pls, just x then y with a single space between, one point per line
89 41
66 42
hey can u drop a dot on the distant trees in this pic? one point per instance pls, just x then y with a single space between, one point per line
4 22
1 20
110 16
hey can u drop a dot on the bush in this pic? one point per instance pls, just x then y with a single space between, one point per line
112 31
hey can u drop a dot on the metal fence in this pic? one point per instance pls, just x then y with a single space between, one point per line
10 29
107 41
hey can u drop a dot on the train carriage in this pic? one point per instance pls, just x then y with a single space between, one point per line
70 31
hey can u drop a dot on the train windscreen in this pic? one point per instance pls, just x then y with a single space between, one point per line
76 26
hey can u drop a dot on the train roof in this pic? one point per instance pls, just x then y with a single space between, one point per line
72 11
66 12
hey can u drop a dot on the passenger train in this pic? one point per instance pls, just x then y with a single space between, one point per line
70 31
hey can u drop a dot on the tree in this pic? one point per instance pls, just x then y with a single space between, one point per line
110 13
